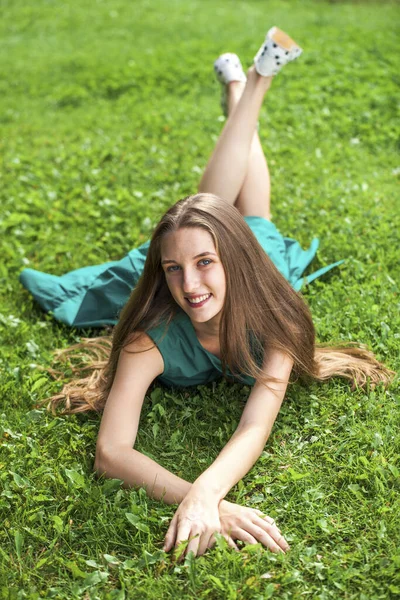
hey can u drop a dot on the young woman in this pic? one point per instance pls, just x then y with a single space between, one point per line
215 292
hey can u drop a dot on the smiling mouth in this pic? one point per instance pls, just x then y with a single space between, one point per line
199 301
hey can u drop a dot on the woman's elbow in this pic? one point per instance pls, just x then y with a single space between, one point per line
102 461
110 460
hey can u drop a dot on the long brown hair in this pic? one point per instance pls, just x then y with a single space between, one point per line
261 312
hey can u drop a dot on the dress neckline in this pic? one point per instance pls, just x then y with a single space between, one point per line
196 340
212 357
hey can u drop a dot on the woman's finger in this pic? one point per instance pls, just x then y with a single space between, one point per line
265 522
231 543
270 521
273 532
182 535
170 535
205 543
245 536
262 536
194 543
266 518
212 541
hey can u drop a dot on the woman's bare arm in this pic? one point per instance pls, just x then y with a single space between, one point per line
251 435
197 518
115 456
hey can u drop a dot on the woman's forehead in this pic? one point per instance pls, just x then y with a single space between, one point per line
193 240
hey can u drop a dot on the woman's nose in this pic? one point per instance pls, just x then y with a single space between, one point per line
190 282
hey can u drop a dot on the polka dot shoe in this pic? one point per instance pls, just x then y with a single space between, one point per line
228 68
277 50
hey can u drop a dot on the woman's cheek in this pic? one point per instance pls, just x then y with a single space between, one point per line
173 287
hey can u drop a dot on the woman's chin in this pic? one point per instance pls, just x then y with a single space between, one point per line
204 316
200 314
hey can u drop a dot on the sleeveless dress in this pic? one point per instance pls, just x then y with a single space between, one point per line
186 362
93 296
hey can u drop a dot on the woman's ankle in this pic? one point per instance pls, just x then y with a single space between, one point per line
234 91
255 79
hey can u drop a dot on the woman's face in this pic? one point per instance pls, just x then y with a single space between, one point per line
194 273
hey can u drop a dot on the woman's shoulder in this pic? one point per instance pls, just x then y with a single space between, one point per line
141 358
141 342
170 330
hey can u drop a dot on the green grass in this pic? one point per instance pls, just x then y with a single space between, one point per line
108 113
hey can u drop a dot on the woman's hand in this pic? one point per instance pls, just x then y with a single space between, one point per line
196 520
249 525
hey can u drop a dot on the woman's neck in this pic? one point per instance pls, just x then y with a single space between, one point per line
208 330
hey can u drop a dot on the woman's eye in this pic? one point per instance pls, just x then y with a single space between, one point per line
203 262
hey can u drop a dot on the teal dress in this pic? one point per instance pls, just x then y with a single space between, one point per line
186 362
93 296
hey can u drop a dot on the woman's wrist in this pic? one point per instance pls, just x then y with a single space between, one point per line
203 489
224 503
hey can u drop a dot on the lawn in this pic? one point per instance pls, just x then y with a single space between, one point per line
109 111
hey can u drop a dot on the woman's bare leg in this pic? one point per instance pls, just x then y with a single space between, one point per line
227 168
254 197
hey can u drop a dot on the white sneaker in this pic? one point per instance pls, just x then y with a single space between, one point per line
228 68
277 50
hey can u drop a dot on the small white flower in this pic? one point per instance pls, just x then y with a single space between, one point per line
10 320
32 347
146 223
105 202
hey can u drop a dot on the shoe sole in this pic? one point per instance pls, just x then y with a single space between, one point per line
282 39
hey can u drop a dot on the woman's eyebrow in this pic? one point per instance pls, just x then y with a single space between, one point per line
169 260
